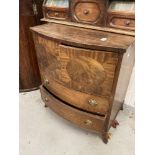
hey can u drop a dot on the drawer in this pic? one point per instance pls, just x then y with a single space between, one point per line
56 14
80 118
90 103
87 11
123 23
60 13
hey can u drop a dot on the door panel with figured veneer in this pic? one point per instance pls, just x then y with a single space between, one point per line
84 70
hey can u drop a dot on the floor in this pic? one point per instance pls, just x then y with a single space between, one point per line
42 132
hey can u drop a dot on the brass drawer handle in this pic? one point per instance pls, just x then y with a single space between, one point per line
56 14
86 12
88 122
46 82
46 99
92 102
127 22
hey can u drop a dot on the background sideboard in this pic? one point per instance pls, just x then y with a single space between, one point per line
30 12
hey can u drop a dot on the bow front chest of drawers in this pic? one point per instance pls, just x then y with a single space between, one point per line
85 72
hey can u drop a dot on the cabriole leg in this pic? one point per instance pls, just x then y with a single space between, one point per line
105 137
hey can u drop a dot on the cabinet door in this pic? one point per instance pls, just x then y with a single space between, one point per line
81 77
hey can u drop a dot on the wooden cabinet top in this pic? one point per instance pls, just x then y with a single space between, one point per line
85 38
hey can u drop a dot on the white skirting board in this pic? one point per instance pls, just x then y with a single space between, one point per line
130 95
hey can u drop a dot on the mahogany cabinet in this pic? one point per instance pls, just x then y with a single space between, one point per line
30 12
87 78
84 70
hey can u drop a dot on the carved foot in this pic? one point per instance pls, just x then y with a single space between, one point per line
114 124
106 136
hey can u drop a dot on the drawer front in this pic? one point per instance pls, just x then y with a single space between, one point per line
80 118
122 23
88 12
90 103
86 74
50 12
91 12
56 14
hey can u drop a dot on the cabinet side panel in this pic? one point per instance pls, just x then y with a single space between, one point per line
123 81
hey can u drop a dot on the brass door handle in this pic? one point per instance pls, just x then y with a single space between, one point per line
127 22
88 122
92 102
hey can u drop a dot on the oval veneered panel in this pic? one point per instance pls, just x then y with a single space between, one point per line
87 11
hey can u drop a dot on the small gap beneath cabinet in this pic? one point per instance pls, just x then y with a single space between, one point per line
101 115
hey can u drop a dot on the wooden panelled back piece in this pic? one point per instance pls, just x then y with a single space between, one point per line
112 14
